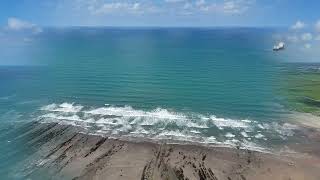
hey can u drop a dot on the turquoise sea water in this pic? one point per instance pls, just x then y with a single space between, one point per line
224 72
217 86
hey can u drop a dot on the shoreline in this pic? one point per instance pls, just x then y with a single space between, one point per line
307 120
62 152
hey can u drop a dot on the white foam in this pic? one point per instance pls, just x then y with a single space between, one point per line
64 107
221 123
195 131
148 118
128 111
140 130
232 142
229 135
285 129
126 128
244 134
259 136
175 135
108 121
261 126
252 146
211 139
158 123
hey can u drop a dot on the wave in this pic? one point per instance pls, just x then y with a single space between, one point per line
64 107
165 124
7 97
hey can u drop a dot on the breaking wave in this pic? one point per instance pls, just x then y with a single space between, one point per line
164 124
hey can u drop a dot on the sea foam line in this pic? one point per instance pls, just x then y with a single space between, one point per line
162 124
142 117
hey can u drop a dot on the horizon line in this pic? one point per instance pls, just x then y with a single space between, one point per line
160 26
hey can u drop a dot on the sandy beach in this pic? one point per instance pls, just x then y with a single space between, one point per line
67 152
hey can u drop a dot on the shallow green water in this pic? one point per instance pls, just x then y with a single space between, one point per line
301 87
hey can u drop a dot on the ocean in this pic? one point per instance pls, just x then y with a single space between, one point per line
217 86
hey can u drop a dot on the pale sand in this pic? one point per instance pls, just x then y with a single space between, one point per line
64 153
305 119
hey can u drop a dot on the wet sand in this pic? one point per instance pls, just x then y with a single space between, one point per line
62 152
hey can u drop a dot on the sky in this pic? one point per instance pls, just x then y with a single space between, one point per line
23 21
161 12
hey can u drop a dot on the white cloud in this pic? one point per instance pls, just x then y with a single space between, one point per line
96 7
116 6
202 5
298 25
187 5
138 7
237 6
225 7
200 2
307 46
317 38
233 8
174 1
16 24
306 37
317 26
293 38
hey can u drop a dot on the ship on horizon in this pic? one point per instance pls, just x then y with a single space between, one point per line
279 46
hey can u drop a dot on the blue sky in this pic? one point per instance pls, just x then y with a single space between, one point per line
161 12
21 21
